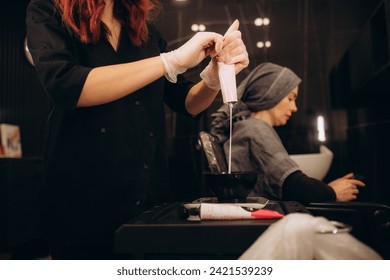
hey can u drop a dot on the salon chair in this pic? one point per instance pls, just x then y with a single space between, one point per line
370 221
213 151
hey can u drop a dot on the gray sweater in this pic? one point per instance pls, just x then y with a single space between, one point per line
257 147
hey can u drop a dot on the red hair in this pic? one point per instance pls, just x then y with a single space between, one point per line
84 17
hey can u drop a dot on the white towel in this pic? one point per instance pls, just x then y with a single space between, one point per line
297 237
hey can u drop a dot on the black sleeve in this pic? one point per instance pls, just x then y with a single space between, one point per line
49 42
299 187
175 94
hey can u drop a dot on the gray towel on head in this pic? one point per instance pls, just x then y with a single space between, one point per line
262 89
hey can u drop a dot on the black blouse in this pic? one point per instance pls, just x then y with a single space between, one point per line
105 163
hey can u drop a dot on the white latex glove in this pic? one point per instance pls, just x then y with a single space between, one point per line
233 52
191 53
210 75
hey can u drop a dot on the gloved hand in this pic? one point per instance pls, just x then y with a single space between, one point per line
191 53
233 52
210 75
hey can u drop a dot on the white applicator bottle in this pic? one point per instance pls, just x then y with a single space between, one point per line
227 79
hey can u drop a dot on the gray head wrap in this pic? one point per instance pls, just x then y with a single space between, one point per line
262 89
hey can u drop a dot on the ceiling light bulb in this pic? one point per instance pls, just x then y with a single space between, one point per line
258 21
195 27
202 27
267 44
260 44
266 21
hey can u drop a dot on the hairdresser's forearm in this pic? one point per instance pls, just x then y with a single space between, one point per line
109 83
200 98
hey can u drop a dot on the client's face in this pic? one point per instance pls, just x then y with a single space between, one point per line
283 111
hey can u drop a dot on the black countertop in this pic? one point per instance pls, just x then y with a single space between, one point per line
164 232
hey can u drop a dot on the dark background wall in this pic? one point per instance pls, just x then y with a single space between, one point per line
22 99
340 48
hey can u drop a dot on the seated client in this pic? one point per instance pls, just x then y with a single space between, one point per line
266 98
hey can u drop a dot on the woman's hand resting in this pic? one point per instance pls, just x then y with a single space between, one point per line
346 187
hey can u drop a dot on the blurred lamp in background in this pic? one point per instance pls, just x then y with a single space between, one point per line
321 129
261 21
262 44
198 27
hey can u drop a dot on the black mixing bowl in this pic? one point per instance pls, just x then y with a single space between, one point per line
234 186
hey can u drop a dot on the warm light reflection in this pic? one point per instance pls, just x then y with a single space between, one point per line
198 27
321 128
260 45
258 22
262 21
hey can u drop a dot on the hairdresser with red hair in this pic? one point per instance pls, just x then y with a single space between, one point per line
107 72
